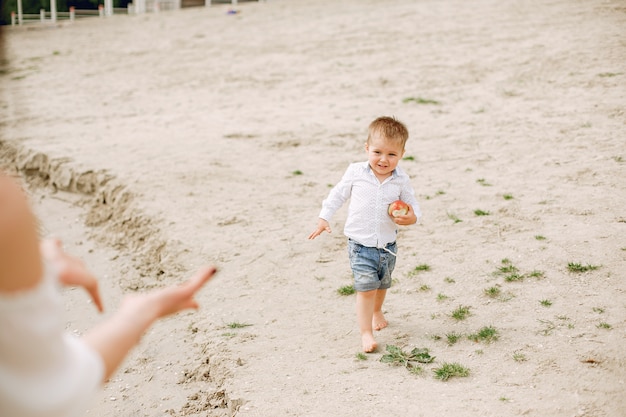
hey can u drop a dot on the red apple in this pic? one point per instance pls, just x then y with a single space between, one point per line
398 208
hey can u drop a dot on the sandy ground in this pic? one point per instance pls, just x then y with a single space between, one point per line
158 143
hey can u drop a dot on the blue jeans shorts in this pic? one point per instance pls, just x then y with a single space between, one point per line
371 267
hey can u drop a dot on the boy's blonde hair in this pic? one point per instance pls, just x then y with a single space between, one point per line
388 128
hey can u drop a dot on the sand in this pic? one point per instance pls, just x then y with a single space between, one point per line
157 143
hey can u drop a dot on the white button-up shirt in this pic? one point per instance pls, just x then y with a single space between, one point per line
368 222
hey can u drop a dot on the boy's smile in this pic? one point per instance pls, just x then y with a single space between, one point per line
383 156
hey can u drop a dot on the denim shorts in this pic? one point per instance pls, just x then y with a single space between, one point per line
371 267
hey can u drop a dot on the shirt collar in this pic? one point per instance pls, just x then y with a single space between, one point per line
370 171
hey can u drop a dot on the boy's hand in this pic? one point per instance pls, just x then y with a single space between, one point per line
407 219
322 225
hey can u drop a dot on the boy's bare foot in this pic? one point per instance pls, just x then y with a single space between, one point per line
369 344
378 321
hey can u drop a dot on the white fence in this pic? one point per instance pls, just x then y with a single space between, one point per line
140 6
44 16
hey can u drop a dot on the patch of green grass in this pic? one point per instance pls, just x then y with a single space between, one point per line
514 278
453 337
454 218
424 287
346 290
238 325
492 292
416 370
229 335
486 334
604 325
480 212
510 271
420 100
442 297
540 237
418 269
450 370
449 280
507 267
439 192
422 267
508 196
410 360
545 303
618 159
519 356
409 158
598 310
461 313
297 172
483 182
609 74
578 267
360 356
537 274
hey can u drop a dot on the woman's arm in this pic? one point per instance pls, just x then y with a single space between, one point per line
21 268
20 258
114 338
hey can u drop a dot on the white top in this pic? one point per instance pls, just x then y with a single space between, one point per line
44 371
368 222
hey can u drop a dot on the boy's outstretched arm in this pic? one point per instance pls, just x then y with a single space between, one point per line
322 225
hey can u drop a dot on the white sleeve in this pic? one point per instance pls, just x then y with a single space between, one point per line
407 193
338 195
44 371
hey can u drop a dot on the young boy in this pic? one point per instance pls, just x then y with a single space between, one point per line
371 186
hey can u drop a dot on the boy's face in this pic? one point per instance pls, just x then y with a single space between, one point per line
383 155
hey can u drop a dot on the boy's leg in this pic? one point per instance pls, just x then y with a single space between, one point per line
365 303
378 319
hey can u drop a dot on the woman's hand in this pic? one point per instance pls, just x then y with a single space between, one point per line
72 271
